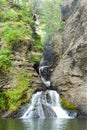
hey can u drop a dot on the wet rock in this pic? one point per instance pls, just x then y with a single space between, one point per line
48 112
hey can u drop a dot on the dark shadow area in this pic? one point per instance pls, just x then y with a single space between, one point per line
36 67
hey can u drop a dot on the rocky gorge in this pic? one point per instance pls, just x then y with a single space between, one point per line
68 75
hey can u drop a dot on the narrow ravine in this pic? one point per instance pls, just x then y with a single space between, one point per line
46 104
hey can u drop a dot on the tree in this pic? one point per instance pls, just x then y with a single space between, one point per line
49 15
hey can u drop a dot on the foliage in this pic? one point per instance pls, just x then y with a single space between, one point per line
35 58
16 30
15 94
26 16
15 35
3 101
50 16
3 2
9 14
5 51
16 25
5 62
12 99
37 42
67 105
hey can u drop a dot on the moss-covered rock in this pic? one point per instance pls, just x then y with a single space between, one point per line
67 105
18 79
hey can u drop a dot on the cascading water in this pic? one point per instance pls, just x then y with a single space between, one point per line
45 64
46 104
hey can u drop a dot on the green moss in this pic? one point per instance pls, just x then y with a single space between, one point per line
37 42
5 62
16 30
17 95
35 58
9 14
18 90
67 105
15 34
16 26
5 51
3 101
2 2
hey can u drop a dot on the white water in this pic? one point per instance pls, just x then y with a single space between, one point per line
47 83
45 105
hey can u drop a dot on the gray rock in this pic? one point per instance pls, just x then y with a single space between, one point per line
70 74
68 7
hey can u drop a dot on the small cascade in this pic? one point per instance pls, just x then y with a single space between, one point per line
43 71
45 105
46 64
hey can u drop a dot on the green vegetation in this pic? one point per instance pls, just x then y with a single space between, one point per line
50 14
35 58
15 34
17 28
5 62
67 105
16 31
17 95
37 43
3 102
17 91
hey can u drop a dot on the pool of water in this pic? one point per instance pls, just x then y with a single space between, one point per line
43 124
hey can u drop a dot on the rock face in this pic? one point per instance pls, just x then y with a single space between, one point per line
70 74
68 7
21 68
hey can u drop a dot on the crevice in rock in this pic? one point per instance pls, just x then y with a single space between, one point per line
36 67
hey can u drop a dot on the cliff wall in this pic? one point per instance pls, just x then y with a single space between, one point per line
70 74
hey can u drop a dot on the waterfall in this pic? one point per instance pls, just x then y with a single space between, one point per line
43 74
46 105
46 64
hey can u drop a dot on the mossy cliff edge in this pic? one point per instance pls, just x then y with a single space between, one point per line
18 44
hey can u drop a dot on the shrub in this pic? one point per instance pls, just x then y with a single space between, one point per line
14 34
